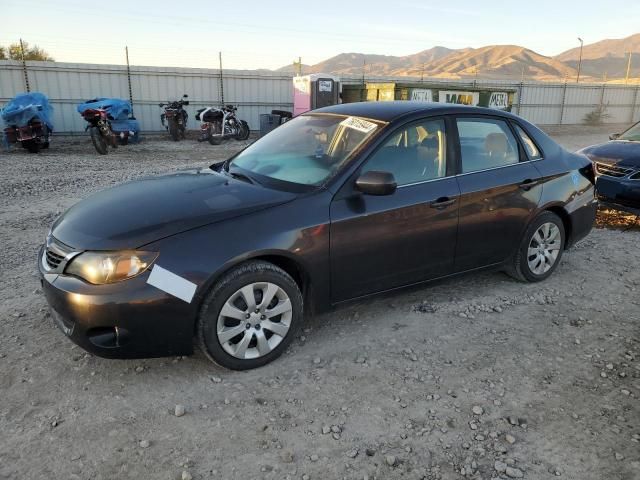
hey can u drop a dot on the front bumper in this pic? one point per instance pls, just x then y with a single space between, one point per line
129 319
620 193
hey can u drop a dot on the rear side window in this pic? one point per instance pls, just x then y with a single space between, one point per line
486 143
529 146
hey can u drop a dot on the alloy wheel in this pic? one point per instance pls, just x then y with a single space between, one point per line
254 320
544 248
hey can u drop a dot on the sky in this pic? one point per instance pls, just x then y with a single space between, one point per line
270 34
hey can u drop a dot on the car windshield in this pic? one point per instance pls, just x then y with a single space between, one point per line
307 150
632 135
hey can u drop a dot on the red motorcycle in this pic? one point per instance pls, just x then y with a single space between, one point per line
27 117
33 137
108 124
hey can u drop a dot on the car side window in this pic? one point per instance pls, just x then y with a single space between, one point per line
486 143
415 153
529 146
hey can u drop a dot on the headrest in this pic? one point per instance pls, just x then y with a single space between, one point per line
430 142
496 143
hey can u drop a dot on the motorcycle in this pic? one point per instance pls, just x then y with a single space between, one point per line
175 117
27 117
108 123
217 124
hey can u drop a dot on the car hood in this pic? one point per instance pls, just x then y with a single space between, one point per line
618 152
142 211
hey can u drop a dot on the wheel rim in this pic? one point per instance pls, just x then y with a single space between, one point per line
254 320
544 248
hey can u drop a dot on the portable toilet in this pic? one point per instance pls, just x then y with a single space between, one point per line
314 91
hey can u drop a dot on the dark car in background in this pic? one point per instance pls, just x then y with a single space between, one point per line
335 205
617 169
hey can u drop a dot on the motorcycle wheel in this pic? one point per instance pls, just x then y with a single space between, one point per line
215 139
33 146
99 141
244 131
173 130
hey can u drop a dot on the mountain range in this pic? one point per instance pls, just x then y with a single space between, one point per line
606 58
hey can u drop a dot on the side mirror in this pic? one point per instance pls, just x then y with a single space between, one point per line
376 183
614 136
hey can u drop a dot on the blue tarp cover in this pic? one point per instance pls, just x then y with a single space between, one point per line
116 108
25 106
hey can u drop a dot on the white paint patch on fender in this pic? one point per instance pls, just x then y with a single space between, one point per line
172 284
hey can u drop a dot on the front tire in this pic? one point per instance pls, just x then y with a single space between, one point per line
250 316
244 131
540 250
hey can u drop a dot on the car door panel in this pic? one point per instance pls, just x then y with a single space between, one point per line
383 242
495 207
496 203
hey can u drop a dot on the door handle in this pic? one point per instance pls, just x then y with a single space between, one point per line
442 202
527 184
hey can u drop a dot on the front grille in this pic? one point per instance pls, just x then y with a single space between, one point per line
55 254
612 170
53 259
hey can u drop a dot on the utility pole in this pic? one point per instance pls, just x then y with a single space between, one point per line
422 73
579 60
24 67
299 66
626 78
126 52
364 65
221 80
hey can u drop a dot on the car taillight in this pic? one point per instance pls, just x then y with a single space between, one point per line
588 172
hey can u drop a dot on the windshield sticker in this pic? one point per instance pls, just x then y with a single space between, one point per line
359 124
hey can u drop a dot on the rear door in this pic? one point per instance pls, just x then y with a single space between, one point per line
383 242
499 191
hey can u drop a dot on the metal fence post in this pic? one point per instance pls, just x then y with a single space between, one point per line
126 51
520 90
564 95
634 104
24 68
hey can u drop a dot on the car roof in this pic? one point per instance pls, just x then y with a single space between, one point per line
390 111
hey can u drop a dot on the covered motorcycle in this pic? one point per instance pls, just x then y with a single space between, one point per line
27 119
109 122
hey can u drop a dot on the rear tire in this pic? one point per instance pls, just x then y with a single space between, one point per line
540 250
262 327
174 131
99 142
214 129
32 146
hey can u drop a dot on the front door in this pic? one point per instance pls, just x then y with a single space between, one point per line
383 242
499 192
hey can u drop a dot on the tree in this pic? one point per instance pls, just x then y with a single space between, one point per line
30 53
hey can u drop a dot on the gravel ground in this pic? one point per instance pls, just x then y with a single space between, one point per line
475 377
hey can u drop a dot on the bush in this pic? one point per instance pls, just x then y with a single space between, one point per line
597 116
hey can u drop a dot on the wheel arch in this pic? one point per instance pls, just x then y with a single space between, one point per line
561 212
282 259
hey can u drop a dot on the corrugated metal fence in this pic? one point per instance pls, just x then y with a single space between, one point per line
256 92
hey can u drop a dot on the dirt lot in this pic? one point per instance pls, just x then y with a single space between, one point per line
478 377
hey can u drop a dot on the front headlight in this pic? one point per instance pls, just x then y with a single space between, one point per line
109 267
